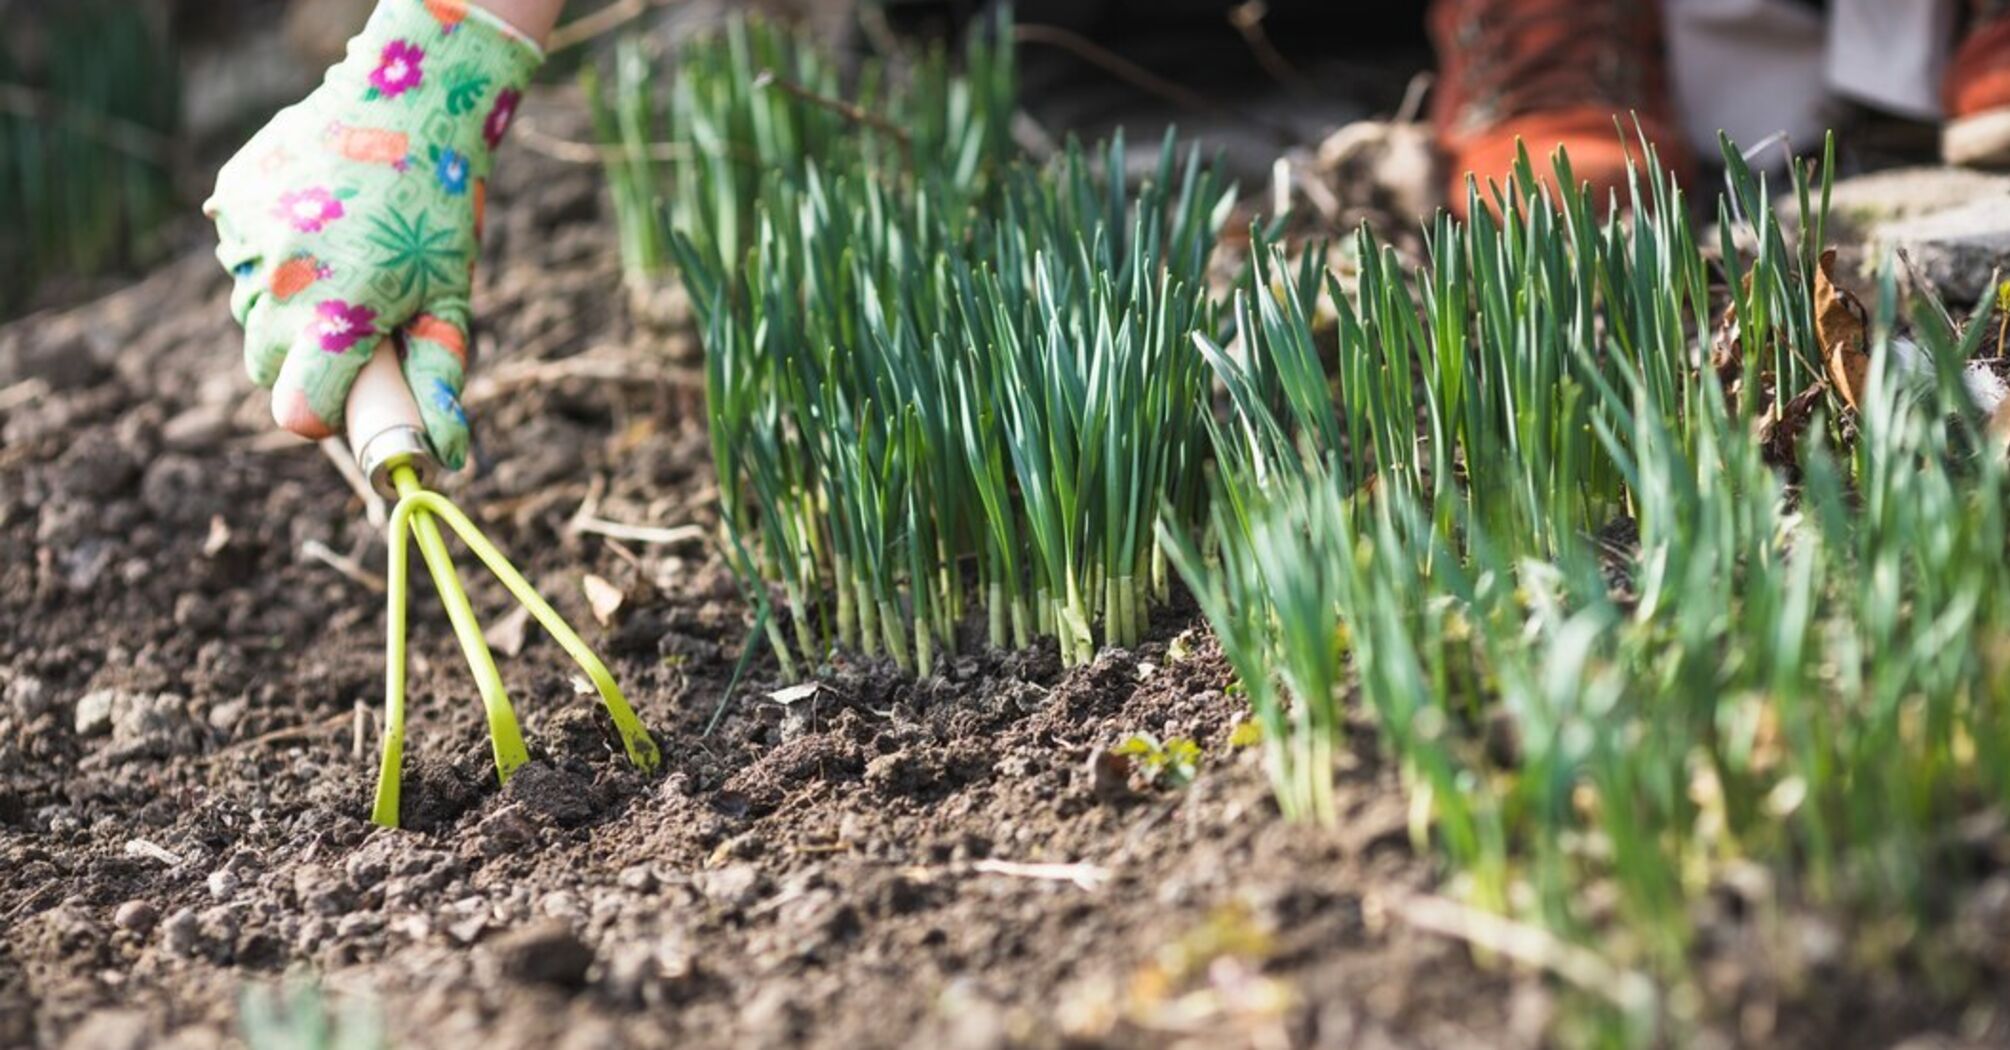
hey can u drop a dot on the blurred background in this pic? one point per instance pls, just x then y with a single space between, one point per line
114 114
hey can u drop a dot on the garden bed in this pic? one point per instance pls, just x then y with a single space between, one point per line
847 870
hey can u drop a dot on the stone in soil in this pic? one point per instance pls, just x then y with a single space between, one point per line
546 952
1954 223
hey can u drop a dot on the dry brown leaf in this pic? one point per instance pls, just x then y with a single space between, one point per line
1779 432
603 598
1842 326
1727 352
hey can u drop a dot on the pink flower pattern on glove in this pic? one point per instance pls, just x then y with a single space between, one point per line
500 116
309 210
399 69
341 325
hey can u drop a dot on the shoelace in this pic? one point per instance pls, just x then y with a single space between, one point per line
1592 52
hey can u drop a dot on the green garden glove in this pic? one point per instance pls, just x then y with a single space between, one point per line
357 212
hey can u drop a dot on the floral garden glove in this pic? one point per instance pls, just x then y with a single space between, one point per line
357 212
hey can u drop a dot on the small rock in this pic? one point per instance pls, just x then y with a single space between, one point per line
558 795
224 715
220 925
545 953
507 830
640 877
734 886
182 934
1905 193
561 904
136 915
468 930
1955 250
94 712
223 884
359 925
111 1030
630 971
322 891
1107 776
29 696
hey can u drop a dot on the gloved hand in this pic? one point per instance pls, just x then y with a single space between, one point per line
357 212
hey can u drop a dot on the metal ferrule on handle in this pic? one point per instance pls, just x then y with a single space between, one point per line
385 428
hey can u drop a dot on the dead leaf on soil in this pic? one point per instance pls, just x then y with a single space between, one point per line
1780 428
603 598
1727 352
1842 325
796 693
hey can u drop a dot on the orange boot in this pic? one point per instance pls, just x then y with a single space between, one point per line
1976 91
1550 73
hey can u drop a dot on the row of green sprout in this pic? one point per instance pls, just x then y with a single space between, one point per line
1501 495
944 385
1798 664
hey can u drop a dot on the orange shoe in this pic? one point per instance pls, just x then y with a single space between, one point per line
1976 91
1550 73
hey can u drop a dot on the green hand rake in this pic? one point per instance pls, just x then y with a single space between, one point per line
389 440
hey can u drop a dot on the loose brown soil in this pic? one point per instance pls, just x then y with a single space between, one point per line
182 801
182 813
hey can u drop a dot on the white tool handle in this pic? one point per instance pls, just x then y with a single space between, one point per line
385 428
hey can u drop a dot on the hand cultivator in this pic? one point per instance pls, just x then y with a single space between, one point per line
388 437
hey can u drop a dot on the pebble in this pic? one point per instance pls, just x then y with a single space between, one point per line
223 884
734 886
29 696
183 932
545 953
639 877
507 830
111 1030
560 904
138 916
1107 776
94 712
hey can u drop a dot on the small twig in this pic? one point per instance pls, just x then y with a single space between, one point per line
359 734
295 732
587 519
850 111
633 559
153 851
598 23
1413 97
1627 989
343 564
1086 876
638 533
1926 289
1996 304
574 152
337 451
1316 191
1247 18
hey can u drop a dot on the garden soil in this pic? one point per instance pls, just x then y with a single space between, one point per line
188 745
